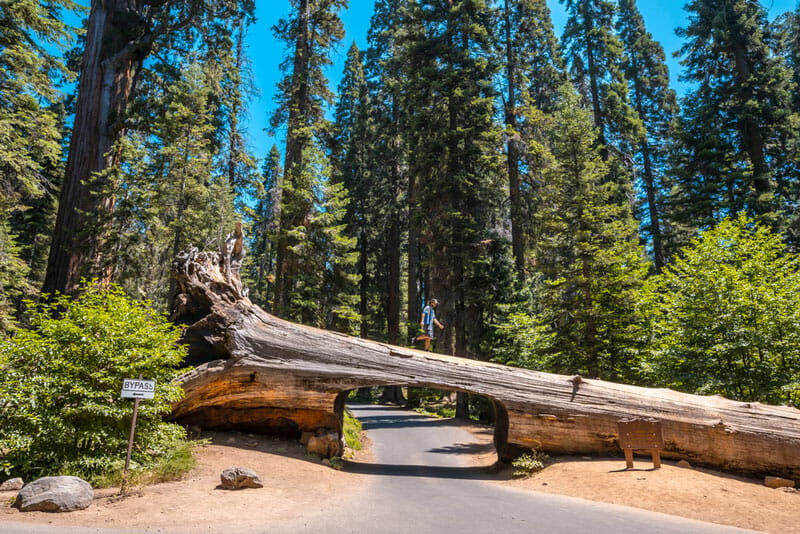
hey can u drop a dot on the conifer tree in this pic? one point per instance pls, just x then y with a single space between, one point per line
589 254
594 53
30 129
351 140
323 292
170 196
235 85
732 123
120 35
453 138
390 66
310 31
264 223
644 67
534 72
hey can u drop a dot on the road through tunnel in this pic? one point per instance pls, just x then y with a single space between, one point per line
487 417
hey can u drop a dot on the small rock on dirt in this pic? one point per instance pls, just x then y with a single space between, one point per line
325 445
55 494
12 484
234 478
778 482
684 464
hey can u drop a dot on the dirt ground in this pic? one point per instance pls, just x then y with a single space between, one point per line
296 485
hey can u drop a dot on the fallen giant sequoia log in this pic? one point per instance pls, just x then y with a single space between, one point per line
261 373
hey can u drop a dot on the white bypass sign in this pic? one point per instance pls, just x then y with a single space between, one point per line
138 389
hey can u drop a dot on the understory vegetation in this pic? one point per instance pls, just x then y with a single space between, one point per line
352 431
60 405
528 464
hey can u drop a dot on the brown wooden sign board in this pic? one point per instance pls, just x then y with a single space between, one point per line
641 434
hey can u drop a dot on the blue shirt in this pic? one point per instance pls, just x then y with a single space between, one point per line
428 317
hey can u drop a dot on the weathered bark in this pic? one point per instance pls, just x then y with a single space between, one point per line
278 376
116 43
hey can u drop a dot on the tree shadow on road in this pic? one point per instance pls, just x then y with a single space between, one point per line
423 471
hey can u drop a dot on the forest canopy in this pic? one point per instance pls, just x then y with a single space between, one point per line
570 211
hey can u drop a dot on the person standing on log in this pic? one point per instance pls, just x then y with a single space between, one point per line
428 321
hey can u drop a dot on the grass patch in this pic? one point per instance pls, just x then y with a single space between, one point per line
441 411
176 461
528 464
352 431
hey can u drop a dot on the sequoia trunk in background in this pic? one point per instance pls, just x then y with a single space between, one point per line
116 43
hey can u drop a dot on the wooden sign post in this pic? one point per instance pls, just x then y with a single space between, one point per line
641 434
135 389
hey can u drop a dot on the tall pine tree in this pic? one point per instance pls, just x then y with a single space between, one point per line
351 168
733 121
534 72
644 66
30 129
589 254
310 31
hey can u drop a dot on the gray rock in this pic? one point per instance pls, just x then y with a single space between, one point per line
55 494
684 464
12 484
234 478
778 482
326 445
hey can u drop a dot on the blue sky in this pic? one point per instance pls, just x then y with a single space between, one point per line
661 17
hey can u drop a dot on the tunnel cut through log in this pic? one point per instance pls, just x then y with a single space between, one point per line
263 373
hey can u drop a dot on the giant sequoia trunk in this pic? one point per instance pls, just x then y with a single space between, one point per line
262 373
116 42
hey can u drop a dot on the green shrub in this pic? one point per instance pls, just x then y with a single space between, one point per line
352 431
726 316
336 462
528 464
60 405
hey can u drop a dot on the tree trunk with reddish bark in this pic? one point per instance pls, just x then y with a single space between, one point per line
116 43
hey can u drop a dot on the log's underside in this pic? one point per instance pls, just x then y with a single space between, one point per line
265 374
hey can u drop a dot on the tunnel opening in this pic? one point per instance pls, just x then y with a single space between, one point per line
486 418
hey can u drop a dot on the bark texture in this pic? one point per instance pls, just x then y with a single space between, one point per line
265 374
116 43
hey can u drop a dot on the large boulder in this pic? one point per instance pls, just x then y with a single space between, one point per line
234 478
55 494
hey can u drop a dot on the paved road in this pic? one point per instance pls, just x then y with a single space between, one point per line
418 483
421 485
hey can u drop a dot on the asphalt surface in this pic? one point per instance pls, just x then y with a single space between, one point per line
419 482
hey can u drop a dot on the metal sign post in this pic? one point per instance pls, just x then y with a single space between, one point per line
135 389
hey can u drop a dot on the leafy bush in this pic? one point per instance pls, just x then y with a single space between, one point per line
528 464
60 405
521 341
352 431
726 316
